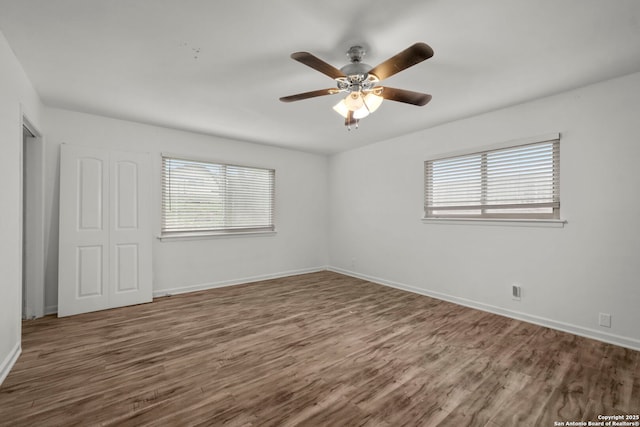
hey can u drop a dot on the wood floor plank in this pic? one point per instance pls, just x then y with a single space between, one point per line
489 396
316 349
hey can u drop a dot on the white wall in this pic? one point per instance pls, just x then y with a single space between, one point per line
568 275
301 198
17 98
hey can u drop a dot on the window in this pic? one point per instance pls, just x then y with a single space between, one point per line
202 197
515 182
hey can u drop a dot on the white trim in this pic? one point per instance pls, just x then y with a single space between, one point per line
233 282
505 144
626 342
53 309
508 222
196 235
9 361
29 124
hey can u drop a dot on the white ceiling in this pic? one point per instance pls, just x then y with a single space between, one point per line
219 67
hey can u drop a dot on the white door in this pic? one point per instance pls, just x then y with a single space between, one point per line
105 240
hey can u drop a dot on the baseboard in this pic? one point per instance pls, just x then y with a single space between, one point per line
9 361
240 281
53 309
622 341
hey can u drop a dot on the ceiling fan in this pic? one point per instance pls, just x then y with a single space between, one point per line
361 81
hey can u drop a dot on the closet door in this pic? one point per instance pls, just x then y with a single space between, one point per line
105 240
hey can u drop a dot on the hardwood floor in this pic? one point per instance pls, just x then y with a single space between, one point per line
317 349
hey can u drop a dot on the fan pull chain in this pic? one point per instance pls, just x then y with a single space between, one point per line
357 122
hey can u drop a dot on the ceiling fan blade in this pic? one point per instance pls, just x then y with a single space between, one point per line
317 64
403 60
307 95
401 95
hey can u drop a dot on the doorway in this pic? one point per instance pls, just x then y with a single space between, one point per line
32 190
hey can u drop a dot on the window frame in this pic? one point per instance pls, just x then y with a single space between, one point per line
514 218
224 231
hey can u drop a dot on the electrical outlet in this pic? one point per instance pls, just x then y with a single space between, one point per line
516 292
604 320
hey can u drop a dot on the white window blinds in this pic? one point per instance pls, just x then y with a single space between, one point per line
208 197
515 182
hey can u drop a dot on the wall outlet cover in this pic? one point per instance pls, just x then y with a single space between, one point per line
604 320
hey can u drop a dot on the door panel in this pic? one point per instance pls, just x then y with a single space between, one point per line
89 272
83 248
126 198
130 231
105 236
91 188
126 268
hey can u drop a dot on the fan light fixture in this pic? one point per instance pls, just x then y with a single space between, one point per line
361 106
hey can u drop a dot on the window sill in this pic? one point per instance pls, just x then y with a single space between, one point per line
508 222
214 235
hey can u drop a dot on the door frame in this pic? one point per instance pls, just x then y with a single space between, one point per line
34 261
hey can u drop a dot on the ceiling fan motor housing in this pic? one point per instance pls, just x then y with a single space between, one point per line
357 72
